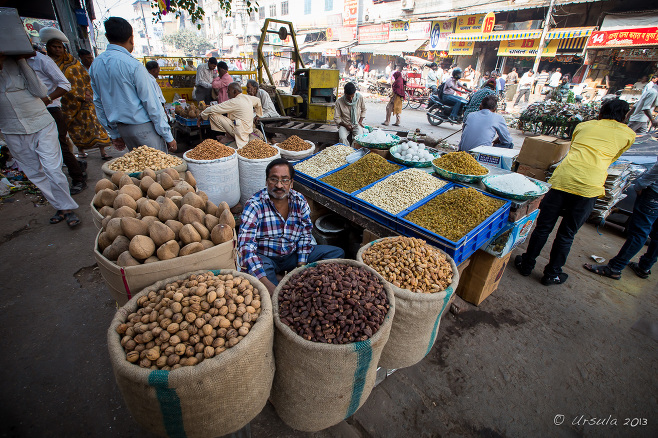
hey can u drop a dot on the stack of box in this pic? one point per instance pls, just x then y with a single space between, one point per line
618 180
539 153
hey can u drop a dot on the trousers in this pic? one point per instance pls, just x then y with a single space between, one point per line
70 161
525 92
343 134
643 224
143 134
574 210
287 263
40 158
457 103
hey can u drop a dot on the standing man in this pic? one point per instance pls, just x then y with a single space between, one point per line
221 82
642 116
86 58
275 233
554 81
154 71
57 85
253 89
349 112
643 224
31 135
513 76
542 78
482 127
205 73
525 85
576 183
432 81
235 117
126 103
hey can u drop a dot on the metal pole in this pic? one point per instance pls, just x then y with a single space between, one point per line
146 32
542 41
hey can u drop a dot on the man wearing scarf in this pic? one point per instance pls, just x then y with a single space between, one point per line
349 112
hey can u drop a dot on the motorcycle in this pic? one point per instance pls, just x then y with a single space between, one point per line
439 112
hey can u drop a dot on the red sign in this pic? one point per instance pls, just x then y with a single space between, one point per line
489 22
647 36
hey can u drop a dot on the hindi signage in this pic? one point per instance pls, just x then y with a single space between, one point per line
469 23
376 33
526 47
461 48
647 36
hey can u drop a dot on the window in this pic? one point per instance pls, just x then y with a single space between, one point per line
307 7
272 10
284 8
261 13
328 5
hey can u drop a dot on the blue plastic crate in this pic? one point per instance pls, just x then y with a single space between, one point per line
190 122
303 178
468 244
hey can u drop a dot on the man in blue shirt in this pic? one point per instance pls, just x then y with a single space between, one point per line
124 97
481 127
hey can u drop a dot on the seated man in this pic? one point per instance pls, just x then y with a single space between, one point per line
481 127
450 89
349 112
275 234
253 89
235 117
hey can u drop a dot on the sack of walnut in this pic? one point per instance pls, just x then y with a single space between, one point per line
417 314
317 384
193 401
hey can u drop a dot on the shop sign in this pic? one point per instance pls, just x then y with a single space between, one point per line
639 55
527 47
350 8
488 23
419 30
647 36
376 33
398 30
461 47
469 23
330 34
332 53
439 34
33 25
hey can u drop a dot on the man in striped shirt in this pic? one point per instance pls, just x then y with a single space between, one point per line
275 234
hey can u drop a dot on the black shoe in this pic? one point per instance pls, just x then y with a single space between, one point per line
548 280
523 270
77 188
82 164
639 271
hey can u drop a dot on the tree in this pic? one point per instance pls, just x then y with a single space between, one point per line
187 41
195 11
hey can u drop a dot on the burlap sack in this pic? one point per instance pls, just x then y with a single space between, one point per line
217 397
95 215
319 385
416 322
124 282
181 168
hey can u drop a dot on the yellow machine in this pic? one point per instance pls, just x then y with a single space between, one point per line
314 95
174 80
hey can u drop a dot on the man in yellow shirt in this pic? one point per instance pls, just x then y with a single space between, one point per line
576 183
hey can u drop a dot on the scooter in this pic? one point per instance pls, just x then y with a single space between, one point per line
438 112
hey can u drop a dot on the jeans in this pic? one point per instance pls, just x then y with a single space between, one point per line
643 224
525 92
272 265
71 163
456 101
574 210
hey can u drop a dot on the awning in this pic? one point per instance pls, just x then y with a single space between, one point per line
629 20
327 46
571 32
365 48
572 43
398 48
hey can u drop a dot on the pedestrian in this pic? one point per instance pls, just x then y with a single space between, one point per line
554 81
205 74
397 96
86 58
643 224
31 135
485 127
154 71
268 245
126 104
542 78
221 82
82 124
349 113
576 184
525 85
57 85
642 116
474 102
513 77
431 82
389 69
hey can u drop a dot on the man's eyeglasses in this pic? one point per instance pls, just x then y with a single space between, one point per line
274 181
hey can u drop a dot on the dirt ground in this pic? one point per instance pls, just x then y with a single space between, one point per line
527 358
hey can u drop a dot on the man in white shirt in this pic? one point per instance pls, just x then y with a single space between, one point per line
205 73
554 81
525 86
432 78
253 89
31 135
642 116
57 85
154 70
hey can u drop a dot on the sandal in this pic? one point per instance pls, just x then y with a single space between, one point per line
395 124
72 220
639 271
81 155
385 123
59 216
603 270
106 157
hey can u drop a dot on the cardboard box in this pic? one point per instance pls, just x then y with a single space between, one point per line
14 39
532 172
369 236
543 151
502 158
482 277
512 235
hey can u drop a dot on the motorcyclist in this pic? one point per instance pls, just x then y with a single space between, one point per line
451 87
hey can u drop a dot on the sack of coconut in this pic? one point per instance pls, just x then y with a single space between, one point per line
423 279
192 354
332 319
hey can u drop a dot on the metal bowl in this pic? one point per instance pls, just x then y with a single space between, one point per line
458 177
396 140
543 188
394 149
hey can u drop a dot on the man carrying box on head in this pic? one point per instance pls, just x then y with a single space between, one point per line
275 234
